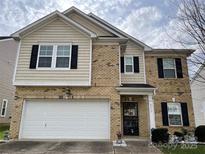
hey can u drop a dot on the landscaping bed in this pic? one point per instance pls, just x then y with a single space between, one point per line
2 130
180 142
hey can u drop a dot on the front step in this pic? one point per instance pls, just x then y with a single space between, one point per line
134 138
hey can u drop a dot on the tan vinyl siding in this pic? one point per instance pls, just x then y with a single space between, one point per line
8 49
55 32
89 25
134 50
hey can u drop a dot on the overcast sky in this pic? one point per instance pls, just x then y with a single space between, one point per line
151 21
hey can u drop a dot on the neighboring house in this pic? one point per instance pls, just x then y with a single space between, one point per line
8 49
198 96
78 77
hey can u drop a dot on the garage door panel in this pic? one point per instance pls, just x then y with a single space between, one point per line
65 120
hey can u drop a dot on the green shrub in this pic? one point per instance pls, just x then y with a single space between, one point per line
160 135
200 133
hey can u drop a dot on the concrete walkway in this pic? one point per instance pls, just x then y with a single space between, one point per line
136 147
40 147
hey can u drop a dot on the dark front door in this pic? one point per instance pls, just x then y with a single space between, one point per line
130 119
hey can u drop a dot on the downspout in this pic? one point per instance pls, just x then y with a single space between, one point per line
119 65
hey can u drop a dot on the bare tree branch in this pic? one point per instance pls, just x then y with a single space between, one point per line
191 17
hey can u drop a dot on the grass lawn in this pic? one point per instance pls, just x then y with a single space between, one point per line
2 129
184 149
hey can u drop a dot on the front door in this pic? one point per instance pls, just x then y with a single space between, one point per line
130 119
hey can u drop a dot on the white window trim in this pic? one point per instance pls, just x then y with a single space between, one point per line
54 56
4 100
125 64
176 114
175 69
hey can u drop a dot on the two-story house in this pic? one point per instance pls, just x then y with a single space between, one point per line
79 77
8 48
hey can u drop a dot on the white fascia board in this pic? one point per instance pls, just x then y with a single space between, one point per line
110 40
133 88
135 91
51 83
69 10
91 19
146 47
53 14
113 38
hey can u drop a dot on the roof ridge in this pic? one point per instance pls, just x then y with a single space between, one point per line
73 8
118 30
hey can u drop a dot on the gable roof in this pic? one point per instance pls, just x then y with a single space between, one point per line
146 47
91 17
49 17
102 23
74 9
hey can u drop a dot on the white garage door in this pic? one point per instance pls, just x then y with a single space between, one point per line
65 120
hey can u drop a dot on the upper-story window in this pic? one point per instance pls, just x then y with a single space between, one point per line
4 107
54 56
129 64
63 56
169 68
45 56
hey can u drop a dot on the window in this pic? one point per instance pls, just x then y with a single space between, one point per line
54 56
3 107
129 64
174 114
63 56
45 56
169 68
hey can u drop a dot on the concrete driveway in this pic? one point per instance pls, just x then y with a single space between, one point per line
40 147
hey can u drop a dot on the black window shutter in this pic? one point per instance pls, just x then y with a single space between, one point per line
179 67
74 57
34 56
164 114
160 67
136 64
185 115
122 64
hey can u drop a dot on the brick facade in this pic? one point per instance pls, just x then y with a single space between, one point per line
105 79
166 89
